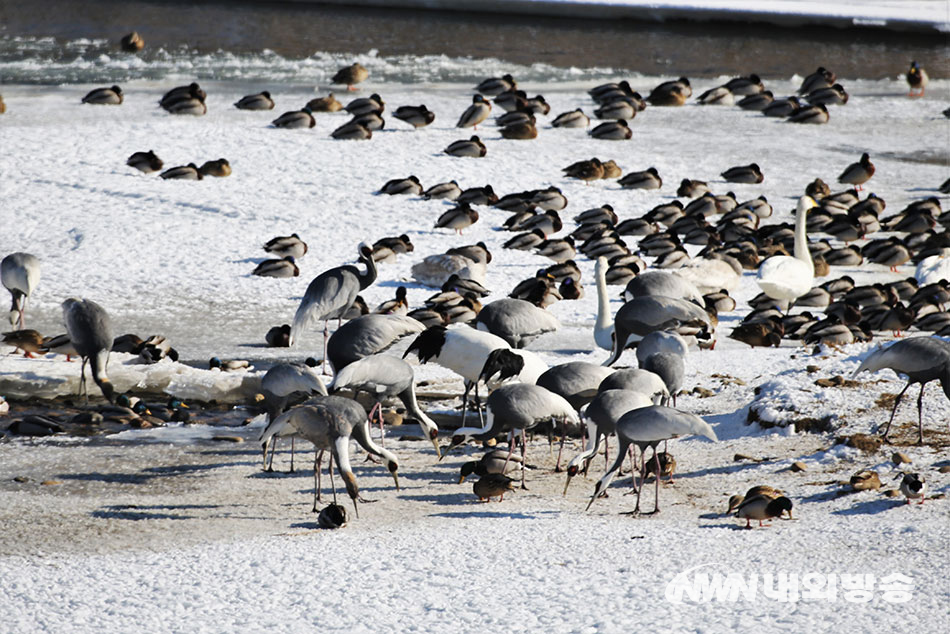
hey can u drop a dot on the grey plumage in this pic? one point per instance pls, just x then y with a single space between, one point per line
515 320
368 335
643 315
90 331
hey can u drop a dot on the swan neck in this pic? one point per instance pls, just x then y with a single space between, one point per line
801 239
603 302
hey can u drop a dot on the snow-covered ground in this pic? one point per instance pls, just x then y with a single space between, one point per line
164 530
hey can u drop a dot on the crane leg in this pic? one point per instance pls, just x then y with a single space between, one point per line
326 338
292 443
468 388
920 415
318 459
656 463
557 465
316 481
897 402
511 448
524 452
330 471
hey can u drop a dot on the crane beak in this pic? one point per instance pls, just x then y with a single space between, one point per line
396 479
593 497
438 449
567 484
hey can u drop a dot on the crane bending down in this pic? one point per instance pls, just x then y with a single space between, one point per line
517 406
384 376
90 331
284 385
921 360
648 427
331 294
19 274
329 422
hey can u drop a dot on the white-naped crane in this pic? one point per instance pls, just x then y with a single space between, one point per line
329 422
89 328
517 407
921 360
602 415
285 385
367 335
331 294
19 273
648 427
384 376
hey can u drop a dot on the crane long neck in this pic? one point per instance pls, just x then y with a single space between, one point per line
479 431
408 398
97 364
370 276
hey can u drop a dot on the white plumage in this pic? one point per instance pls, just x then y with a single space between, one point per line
788 278
19 274
934 268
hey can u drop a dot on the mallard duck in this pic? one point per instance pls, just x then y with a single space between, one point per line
386 249
782 107
397 306
571 119
816 114
325 104
589 170
278 336
749 85
858 173
473 148
763 507
671 93
917 80
496 85
146 162
492 484
611 169
59 344
352 132
416 116
457 218
258 101
757 334
477 252
132 43
760 489
691 188
520 131
667 466
283 267
612 131
646 179
475 113
283 246
831 96
218 168
616 110
559 250
757 102
865 481
230 365
443 191
402 186
492 462
3 106
182 172
821 78
27 340
332 516
188 106
718 96
749 174
371 121
512 100
366 105
302 118
913 487
350 75
179 93
111 96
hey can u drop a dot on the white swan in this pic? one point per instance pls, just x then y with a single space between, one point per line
712 274
604 326
784 277
934 268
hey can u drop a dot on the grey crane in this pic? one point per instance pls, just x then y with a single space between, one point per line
284 385
515 320
648 427
517 406
329 422
384 376
331 293
19 273
367 335
90 330
921 360
661 341
602 414
642 315
670 367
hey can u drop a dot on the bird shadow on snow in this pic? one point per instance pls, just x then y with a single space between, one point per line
485 514
870 507
158 512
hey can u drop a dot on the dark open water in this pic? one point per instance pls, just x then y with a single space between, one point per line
81 32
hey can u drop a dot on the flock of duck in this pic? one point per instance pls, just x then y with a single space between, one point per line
672 303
